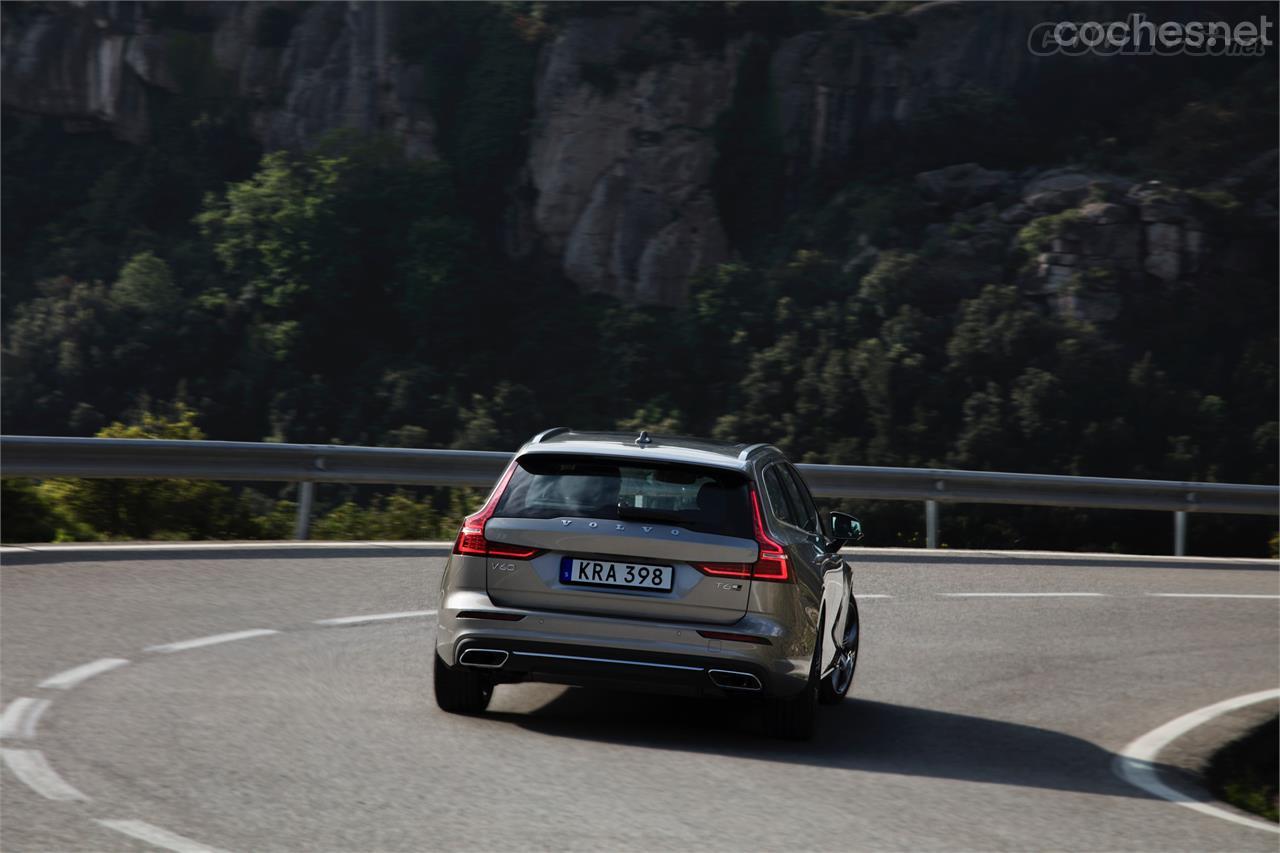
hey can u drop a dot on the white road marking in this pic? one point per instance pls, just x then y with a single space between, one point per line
1136 762
374 617
1208 595
162 838
1023 594
20 717
34 772
941 554
70 678
211 640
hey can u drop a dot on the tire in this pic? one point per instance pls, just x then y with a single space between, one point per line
461 690
836 685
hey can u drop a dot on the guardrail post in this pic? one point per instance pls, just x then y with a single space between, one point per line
931 523
306 493
1179 534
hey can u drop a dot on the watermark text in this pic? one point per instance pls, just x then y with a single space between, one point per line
1138 36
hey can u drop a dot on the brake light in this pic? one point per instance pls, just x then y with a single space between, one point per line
725 570
771 563
471 541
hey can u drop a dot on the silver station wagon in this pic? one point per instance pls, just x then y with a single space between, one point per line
654 563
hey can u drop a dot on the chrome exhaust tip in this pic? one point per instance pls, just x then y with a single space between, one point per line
483 658
727 679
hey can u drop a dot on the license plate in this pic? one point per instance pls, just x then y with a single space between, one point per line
616 573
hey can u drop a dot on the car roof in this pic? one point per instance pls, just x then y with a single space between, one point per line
663 448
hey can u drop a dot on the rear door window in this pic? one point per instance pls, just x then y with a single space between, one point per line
708 500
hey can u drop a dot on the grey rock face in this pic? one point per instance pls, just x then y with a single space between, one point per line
1104 213
1058 189
616 186
75 65
99 62
1017 214
1105 246
962 185
607 165
622 175
837 87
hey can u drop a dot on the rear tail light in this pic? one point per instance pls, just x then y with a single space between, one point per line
725 570
771 563
471 541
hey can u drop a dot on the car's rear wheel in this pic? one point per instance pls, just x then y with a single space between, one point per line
461 690
836 685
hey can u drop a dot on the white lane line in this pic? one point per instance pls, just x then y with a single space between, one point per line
20 717
1023 594
374 617
162 838
67 679
34 772
1209 595
211 640
1136 762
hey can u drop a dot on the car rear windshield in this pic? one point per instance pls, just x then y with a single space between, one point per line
708 500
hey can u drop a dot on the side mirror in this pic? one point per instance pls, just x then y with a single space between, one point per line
844 529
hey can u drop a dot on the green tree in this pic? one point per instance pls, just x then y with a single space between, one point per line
503 421
145 287
140 509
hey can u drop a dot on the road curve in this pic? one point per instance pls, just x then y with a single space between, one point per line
223 700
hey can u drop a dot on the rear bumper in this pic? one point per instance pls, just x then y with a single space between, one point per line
604 651
612 667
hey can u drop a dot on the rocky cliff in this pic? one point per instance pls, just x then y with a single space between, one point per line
300 71
1089 237
621 167
617 186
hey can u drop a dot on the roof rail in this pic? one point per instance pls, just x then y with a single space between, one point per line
749 449
548 433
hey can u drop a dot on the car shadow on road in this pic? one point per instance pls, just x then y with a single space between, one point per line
856 735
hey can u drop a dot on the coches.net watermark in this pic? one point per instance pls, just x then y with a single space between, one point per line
1137 36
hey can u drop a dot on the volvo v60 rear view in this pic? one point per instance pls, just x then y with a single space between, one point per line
656 563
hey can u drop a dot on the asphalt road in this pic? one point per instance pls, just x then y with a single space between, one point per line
977 722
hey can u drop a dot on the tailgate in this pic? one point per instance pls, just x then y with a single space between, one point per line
545 581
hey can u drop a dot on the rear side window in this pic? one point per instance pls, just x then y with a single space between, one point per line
707 500
798 493
778 501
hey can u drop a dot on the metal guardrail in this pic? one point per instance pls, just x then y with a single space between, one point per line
308 464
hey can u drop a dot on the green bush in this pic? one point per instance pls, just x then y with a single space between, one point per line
398 516
25 516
